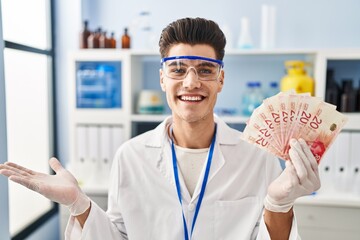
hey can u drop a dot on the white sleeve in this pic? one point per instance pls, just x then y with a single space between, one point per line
263 233
97 226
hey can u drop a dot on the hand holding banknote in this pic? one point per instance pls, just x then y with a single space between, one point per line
288 115
299 178
297 128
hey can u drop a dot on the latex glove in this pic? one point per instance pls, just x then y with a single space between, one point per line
299 178
61 188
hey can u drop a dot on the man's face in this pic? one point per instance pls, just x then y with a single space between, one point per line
191 99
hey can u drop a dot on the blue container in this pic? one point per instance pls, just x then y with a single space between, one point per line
98 85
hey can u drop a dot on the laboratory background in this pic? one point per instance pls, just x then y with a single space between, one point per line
78 78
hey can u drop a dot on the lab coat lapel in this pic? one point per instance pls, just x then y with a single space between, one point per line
224 136
159 140
161 157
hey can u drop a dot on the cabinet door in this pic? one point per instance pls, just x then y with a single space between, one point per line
327 222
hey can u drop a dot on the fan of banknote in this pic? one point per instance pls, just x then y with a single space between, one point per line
289 115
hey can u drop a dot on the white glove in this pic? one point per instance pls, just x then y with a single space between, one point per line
299 178
61 187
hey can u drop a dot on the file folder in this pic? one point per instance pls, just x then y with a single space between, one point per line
342 157
355 162
118 138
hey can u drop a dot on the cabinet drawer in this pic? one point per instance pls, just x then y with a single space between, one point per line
328 217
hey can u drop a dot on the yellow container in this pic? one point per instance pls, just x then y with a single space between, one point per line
297 78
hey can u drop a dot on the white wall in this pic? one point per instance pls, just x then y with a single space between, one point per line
300 24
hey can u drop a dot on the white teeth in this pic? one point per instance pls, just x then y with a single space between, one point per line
191 98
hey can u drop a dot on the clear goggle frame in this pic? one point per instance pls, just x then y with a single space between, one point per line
178 67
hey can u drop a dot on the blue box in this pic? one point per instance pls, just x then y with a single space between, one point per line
98 84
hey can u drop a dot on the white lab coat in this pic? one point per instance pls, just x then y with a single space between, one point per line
143 202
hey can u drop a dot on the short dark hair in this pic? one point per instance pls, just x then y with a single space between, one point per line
193 31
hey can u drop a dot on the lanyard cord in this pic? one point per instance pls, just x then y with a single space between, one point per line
203 186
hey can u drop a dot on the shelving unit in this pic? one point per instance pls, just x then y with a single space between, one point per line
139 70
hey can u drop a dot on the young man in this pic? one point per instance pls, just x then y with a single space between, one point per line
192 177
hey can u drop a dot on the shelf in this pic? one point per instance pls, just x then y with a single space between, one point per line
100 116
353 122
338 200
231 52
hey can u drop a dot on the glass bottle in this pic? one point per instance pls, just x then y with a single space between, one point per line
125 39
85 33
245 40
112 40
272 90
252 98
93 39
102 40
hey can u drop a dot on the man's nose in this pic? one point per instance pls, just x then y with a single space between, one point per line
191 79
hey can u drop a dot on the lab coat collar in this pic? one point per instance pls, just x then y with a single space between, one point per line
158 139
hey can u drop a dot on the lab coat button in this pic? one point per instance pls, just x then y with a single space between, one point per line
191 207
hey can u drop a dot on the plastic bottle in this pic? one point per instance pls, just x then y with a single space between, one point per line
297 78
245 40
272 90
125 39
252 98
85 33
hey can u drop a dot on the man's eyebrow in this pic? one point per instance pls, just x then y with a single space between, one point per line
176 63
208 64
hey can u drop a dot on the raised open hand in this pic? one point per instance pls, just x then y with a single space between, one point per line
61 188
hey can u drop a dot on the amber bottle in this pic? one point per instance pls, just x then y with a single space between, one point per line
93 39
112 40
85 33
125 39
104 41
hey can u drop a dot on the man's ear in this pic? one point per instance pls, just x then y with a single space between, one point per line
162 83
221 80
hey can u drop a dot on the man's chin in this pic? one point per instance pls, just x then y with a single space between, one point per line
193 118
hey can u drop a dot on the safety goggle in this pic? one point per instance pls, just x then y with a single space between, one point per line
178 67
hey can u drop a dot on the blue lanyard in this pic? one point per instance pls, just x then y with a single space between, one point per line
203 186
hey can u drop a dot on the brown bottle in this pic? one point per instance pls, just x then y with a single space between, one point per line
112 41
125 39
93 39
85 33
104 41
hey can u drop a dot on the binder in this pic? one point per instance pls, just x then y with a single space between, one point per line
118 138
93 153
327 170
81 143
81 153
342 158
355 162
105 153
